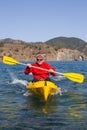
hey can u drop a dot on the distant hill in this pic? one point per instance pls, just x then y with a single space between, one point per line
61 48
71 43
9 40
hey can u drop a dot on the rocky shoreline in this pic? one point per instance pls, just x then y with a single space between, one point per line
22 51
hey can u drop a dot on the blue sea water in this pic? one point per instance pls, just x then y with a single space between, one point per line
22 111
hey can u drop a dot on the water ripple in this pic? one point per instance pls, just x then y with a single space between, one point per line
22 111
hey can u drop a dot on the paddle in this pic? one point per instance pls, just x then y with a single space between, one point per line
76 77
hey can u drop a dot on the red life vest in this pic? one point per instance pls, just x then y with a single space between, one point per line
39 74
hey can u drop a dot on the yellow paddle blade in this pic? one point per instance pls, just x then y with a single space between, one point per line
9 60
74 77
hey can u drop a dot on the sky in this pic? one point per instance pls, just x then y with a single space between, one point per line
42 20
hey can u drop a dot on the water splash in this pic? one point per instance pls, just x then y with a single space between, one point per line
27 93
15 80
60 92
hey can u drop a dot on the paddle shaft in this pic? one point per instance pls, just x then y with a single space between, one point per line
72 76
40 68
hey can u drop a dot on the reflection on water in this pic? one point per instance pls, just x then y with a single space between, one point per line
54 105
22 111
44 107
75 110
18 110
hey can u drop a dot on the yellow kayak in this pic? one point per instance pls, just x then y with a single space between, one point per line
42 89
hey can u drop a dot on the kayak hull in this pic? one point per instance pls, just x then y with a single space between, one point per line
43 89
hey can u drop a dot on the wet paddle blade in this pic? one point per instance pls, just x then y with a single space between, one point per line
9 60
74 77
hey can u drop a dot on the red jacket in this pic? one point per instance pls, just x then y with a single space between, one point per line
37 73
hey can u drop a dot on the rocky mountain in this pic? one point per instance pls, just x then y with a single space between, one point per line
60 48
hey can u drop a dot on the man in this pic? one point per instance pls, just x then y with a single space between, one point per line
40 74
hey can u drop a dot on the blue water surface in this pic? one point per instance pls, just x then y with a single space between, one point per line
65 111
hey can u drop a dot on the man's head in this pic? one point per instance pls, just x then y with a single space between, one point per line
40 59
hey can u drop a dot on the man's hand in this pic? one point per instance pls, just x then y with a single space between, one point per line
29 65
51 71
